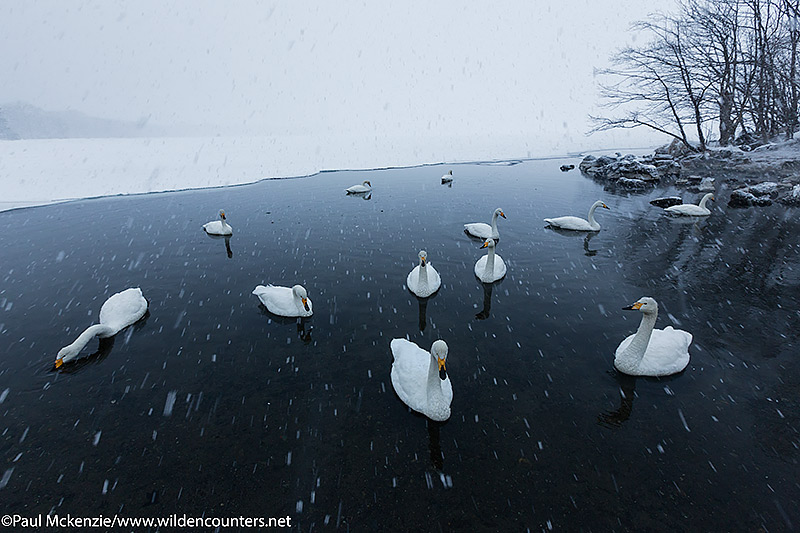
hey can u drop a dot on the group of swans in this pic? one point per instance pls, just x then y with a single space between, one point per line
420 377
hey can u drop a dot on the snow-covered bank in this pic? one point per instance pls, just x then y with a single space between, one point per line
34 172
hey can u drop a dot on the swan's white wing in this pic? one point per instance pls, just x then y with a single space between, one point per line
123 309
499 267
278 300
217 228
569 222
410 373
667 352
434 280
688 210
479 229
412 281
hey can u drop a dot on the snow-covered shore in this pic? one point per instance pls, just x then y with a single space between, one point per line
36 172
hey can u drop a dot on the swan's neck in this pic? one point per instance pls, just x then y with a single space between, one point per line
494 224
591 219
638 346
490 261
434 387
423 276
704 201
87 335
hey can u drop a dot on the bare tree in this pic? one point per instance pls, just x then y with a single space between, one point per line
658 85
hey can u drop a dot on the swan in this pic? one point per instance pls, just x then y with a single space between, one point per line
485 231
420 378
577 223
491 266
118 312
447 178
423 280
218 227
284 301
366 186
652 352
699 210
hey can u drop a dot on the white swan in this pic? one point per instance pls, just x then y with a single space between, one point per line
420 378
491 266
485 231
577 223
692 210
652 352
447 178
218 227
118 312
423 280
366 186
284 301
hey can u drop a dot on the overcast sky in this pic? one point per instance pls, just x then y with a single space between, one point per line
520 68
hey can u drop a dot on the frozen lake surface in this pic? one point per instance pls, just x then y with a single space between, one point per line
210 406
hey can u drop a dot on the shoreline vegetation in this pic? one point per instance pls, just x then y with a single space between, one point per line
721 78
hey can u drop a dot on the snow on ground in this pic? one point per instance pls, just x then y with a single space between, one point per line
34 172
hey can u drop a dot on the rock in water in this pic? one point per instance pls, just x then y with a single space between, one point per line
667 201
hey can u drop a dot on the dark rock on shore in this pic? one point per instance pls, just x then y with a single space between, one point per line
630 172
566 168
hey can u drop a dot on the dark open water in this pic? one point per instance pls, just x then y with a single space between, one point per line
269 421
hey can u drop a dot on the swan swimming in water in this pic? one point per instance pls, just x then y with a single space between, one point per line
447 178
366 186
577 223
420 378
118 312
284 301
491 266
218 227
652 352
485 231
692 210
423 280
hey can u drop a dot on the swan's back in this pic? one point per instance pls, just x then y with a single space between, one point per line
434 281
499 269
570 222
479 229
280 301
123 309
410 379
688 209
667 353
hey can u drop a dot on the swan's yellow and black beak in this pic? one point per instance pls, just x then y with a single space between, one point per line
604 205
484 245
305 304
222 214
368 183
442 369
633 307
423 261
59 362
502 214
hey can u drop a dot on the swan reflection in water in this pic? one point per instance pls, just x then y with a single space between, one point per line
487 301
627 390
423 309
227 239
434 444
423 313
587 237
304 329
363 195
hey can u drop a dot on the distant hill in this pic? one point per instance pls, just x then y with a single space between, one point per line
25 121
